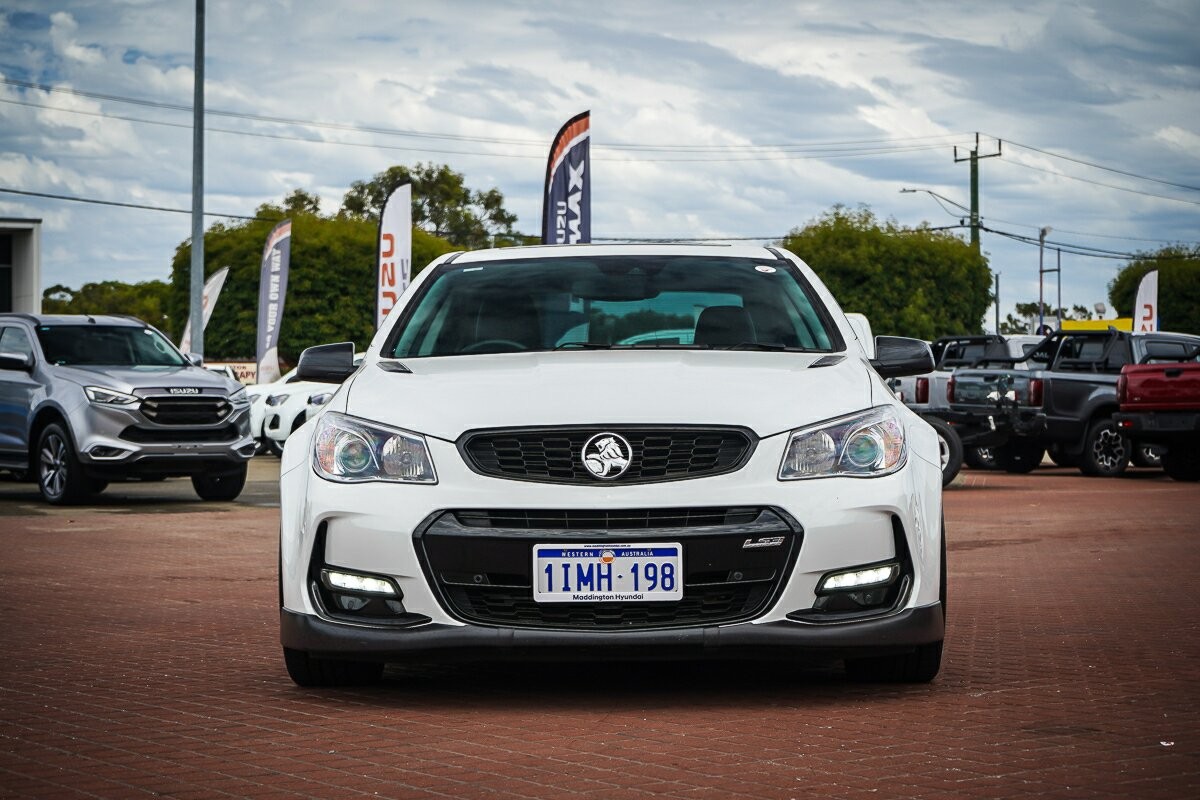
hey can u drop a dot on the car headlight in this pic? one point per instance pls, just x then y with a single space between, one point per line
276 399
109 397
319 399
349 450
239 398
863 445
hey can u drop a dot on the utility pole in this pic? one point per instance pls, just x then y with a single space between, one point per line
997 303
196 314
973 156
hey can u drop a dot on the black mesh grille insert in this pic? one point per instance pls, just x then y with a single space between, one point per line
195 410
133 433
481 563
554 455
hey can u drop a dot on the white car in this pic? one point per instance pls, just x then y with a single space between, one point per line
290 405
260 394
499 478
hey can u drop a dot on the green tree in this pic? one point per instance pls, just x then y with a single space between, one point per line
908 281
331 279
145 300
1178 286
441 205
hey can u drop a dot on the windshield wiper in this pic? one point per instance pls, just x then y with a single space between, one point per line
767 346
584 346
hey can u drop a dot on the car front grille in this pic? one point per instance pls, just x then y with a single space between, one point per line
193 410
133 433
554 455
481 564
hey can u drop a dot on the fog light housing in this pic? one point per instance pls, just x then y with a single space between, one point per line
357 583
860 578
107 453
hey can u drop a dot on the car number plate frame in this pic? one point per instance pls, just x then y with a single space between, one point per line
608 573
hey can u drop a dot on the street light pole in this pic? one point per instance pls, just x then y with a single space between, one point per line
196 284
1041 273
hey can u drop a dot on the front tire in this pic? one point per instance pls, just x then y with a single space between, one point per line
1146 455
1105 450
1020 456
59 473
225 486
1182 465
307 671
950 448
980 458
920 666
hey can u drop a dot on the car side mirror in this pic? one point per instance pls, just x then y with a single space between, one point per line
195 359
327 363
20 361
897 356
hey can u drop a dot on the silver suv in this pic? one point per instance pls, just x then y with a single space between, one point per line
86 400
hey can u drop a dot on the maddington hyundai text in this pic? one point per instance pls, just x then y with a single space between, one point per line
602 452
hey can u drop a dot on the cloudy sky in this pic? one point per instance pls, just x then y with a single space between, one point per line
709 119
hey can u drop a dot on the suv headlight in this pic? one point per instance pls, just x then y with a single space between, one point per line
319 399
109 397
863 445
239 398
276 399
349 450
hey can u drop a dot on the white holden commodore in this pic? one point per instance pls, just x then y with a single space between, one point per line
605 452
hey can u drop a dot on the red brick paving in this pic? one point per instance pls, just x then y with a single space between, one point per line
141 660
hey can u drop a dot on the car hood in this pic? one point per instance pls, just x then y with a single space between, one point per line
766 392
145 380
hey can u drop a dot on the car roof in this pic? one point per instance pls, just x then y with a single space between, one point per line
614 249
80 319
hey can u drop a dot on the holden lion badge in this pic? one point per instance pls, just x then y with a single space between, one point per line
606 455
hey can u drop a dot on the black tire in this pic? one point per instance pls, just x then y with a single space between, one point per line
950 448
224 486
920 666
1182 465
1146 455
1059 455
1020 456
1106 450
307 671
980 457
59 473
271 446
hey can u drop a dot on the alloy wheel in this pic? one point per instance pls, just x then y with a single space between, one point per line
1109 449
53 465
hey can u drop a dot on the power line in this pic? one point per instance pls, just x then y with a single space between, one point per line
750 156
1066 247
1101 166
1098 183
95 201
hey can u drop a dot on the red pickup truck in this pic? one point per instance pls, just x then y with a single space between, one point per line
1160 404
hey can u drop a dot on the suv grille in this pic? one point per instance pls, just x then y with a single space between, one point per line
134 433
194 410
554 455
481 563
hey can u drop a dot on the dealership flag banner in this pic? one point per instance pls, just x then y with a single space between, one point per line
1145 309
567 209
212 290
272 290
395 250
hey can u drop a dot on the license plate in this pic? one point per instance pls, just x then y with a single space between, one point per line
590 573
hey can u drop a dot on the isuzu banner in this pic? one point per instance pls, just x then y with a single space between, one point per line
212 290
272 290
1145 308
395 250
567 209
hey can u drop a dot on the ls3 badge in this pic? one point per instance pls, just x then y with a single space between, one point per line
763 541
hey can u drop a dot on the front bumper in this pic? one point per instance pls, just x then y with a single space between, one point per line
378 529
898 632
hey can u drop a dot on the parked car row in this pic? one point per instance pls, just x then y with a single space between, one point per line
1013 401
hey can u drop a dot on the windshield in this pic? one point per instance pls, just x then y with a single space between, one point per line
107 345
613 302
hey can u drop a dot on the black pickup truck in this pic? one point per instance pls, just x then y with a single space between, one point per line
1063 402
